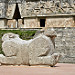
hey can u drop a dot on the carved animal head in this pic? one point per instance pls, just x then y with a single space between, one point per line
9 36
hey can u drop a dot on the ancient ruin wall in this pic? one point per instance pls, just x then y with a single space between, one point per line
37 9
65 42
49 7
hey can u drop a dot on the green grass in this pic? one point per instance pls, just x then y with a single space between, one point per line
25 35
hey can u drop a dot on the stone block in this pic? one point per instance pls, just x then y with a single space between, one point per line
31 23
38 51
60 22
20 23
10 11
3 23
12 23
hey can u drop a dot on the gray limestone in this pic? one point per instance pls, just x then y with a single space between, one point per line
64 42
37 51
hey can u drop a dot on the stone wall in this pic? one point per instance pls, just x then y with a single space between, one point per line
20 23
10 11
60 22
46 7
31 23
65 42
12 23
3 23
39 9
2 10
50 22
35 8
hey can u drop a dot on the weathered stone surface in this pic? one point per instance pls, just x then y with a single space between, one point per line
60 22
32 8
3 23
49 31
14 49
31 23
40 46
64 42
20 23
12 24
9 36
33 11
50 22
38 51
2 10
10 11
41 52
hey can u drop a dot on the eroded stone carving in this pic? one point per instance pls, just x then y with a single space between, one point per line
37 51
10 10
48 7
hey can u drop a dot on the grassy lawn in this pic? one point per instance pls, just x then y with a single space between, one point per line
25 35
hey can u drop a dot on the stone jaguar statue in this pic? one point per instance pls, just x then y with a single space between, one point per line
37 51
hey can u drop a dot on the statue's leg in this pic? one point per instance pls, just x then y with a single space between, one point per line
51 60
45 60
8 60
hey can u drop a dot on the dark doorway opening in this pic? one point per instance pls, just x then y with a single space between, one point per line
42 22
17 13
